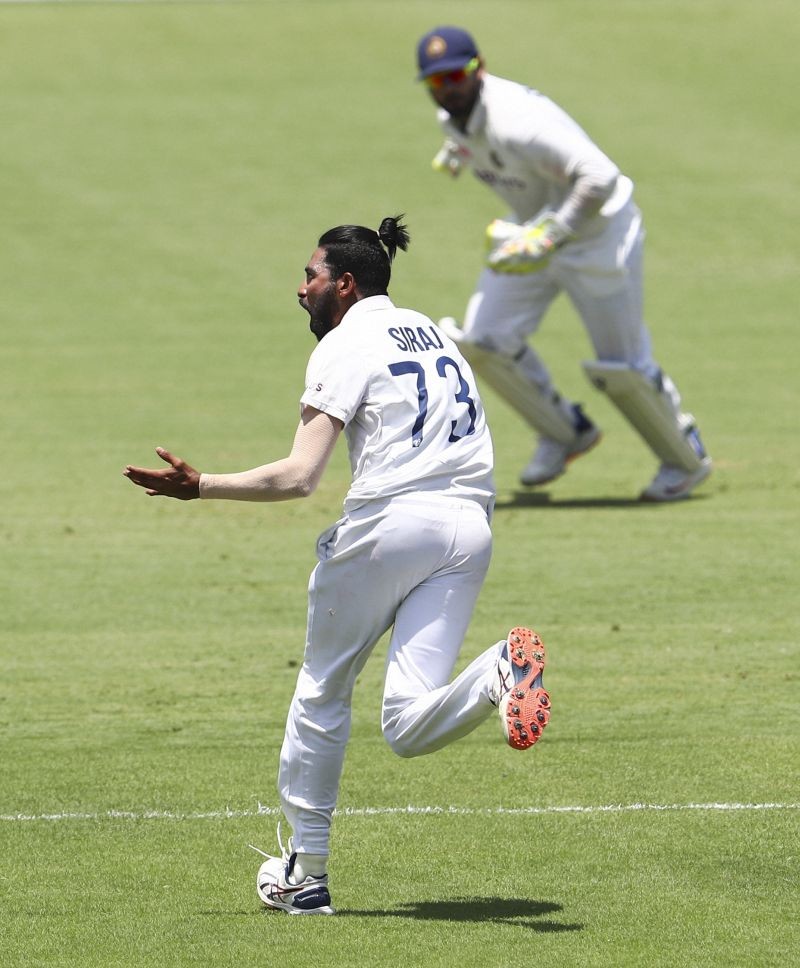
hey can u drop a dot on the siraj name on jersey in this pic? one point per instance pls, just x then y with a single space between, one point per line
416 339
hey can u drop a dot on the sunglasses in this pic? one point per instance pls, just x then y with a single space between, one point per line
435 81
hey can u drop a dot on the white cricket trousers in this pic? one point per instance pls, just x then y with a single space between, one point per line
416 562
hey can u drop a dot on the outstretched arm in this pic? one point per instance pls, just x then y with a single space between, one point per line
294 476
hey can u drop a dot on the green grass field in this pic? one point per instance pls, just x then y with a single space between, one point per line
165 171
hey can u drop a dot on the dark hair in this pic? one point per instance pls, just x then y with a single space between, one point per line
365 253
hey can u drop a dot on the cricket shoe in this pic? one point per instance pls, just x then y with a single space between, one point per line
551 456
278 890
517 690
674 483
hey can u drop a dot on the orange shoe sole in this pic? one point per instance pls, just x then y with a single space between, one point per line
527 706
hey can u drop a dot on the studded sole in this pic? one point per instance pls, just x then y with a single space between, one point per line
525 711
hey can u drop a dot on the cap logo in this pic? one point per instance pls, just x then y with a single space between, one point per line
436 46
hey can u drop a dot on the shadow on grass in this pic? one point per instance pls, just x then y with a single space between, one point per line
498 910
541 499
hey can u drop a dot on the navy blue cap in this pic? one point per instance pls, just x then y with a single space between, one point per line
444 49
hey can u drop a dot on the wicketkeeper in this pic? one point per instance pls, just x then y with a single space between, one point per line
574 228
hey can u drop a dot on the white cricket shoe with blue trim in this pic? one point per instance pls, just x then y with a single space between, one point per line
674 483
278 890
551 457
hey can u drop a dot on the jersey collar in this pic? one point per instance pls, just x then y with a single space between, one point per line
369 304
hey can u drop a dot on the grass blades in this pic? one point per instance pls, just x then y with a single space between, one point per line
165 172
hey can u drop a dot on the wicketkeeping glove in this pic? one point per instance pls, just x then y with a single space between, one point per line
523 248
450 158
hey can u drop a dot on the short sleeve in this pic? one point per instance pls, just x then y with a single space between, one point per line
336 379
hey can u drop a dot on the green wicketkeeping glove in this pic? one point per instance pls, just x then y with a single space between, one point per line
450 158
523 248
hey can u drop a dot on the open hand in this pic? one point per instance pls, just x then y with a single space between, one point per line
178 480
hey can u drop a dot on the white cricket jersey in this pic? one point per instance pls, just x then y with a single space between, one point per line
537 158
413 419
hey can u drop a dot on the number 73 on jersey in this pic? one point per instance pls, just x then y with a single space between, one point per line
413 368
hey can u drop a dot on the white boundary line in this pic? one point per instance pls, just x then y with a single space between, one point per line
264 811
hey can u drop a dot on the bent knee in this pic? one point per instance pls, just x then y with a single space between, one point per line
399 745
403 745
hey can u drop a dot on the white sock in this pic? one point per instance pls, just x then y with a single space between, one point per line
309 865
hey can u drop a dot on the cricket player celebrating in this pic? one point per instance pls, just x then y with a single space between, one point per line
573 227
409 554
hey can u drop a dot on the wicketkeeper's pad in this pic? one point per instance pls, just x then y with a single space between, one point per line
543 411
671 435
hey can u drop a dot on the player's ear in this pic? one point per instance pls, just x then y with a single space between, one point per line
345 285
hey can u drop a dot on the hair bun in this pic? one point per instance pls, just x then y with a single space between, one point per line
394 235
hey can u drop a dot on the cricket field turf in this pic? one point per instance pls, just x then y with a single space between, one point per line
165 171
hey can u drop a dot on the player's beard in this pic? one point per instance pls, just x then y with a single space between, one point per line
460 111
322 313
459 104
